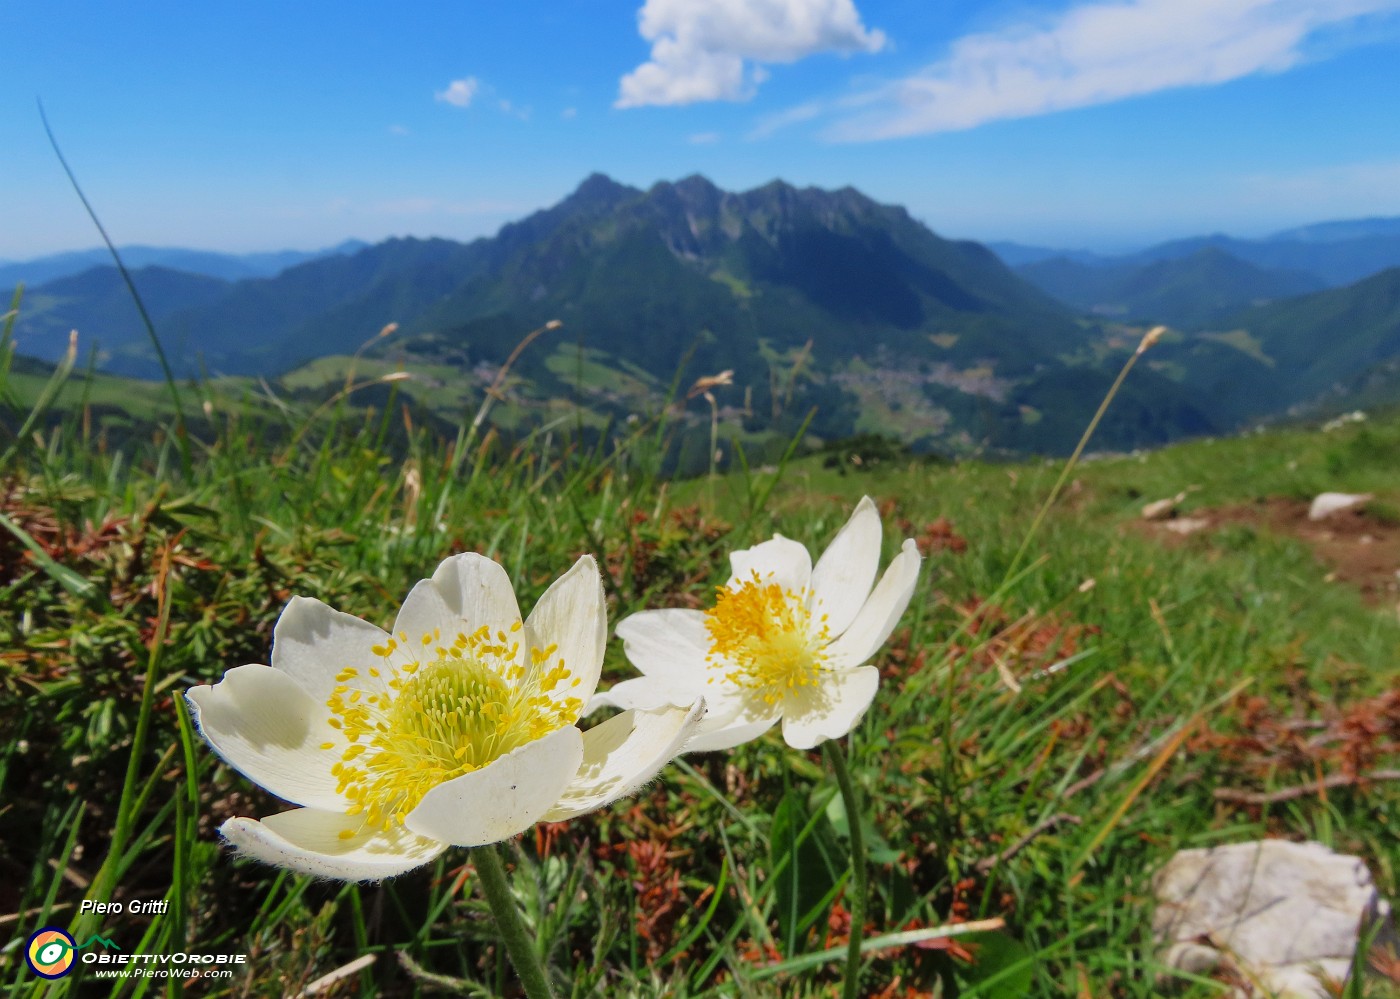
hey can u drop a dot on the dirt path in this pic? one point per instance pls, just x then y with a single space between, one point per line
1357 547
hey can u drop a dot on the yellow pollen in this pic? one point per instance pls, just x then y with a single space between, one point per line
410 727
764 639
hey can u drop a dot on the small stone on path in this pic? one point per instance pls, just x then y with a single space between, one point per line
1287 916
1163 508
1186 525
1326 504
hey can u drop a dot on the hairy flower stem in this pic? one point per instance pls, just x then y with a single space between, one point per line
836 758
496 887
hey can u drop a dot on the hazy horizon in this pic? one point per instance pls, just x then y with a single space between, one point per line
1106 248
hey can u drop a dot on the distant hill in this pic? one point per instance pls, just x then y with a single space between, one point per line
1336 253
1336 262
813 298
226 266
1326 338
1017 255
1187 292
327 306
98 305
1305 351
816 300
1339 232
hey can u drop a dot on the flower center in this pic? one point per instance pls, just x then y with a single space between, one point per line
764 638
409 728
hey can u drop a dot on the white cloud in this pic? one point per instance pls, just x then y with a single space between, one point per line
398 130
792 116
463 93
568 113
709 50
703 138
1095 53
459 93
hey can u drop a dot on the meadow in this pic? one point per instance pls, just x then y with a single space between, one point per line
1066 702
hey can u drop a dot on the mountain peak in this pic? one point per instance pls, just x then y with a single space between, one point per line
777 186
696 182
600 189
695 194
784 196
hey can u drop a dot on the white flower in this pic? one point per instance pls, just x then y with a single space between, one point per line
456 729
783 640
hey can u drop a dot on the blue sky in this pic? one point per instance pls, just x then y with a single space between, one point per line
1103 123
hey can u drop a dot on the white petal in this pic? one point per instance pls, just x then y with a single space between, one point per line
779 560
622 754
312 643
736 731
644 692
880 614
505 797
670 643
466 592
726 701
846 571
829 709
268 728
307 840
571 615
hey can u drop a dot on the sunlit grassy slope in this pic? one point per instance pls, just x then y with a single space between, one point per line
1044 738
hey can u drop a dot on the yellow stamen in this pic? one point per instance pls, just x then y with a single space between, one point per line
423 723
763 638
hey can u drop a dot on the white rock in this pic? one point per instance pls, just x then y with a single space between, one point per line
1286 915
1186 525
1158 509
1305 981
1326 504
1192 958
1357 416
1163 508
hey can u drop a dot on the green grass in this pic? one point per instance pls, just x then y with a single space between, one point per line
1244 342
126 393
1146 675
588 374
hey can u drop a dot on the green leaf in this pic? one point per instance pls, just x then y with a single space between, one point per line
877 848
61 574
803 853
1003 969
